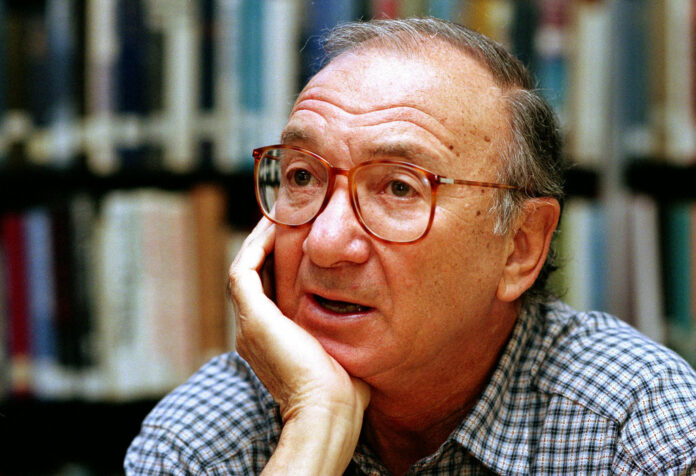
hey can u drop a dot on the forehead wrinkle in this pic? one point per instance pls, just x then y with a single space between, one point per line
325 100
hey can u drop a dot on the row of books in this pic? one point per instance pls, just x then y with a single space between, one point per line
116 298
180 84
661 265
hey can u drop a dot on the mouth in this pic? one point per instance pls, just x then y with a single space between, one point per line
340 307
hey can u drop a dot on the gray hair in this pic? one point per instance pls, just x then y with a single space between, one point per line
532 155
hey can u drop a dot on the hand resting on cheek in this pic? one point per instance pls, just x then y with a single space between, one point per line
321 405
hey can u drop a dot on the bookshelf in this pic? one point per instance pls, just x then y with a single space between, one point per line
150 102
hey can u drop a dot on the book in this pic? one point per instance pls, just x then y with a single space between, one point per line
490 17
13 240
47 378
4 326
100 60
551 53
675 106
317 21
581 245
645 269
181 77
412 8
446 9
280 89
251 61
117 253
130 75
227 149
147 321
63 140
634 39
384 8
678 278
4 139
589 83
209 212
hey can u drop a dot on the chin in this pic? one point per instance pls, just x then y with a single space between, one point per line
356 361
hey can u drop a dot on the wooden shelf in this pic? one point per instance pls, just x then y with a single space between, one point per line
25 187
662 180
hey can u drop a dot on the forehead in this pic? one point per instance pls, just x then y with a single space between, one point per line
438 98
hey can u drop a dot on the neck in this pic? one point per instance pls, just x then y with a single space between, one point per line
405 423
400 440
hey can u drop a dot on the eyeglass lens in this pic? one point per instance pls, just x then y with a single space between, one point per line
393 201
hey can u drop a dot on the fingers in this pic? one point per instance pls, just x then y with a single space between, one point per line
245 286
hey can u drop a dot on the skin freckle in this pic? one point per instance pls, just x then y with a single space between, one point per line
478 213
487 139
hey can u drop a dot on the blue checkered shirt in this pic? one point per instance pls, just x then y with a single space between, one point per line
573 393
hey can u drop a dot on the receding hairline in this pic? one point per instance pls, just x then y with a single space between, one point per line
415 36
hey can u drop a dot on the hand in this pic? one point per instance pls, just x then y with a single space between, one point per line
321 405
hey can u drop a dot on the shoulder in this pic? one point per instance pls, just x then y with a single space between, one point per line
222 414
611 370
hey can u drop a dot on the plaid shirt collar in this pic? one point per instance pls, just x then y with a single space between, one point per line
486 429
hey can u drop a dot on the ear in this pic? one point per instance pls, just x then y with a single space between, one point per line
528 246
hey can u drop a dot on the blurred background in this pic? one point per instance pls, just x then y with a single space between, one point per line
126 130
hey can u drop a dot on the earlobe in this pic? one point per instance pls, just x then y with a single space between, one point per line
529 244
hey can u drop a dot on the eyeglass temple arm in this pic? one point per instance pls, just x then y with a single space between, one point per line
450 181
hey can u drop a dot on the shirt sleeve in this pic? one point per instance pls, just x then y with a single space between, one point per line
660 434
156 451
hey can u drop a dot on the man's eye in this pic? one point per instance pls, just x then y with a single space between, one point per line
301 177
400 189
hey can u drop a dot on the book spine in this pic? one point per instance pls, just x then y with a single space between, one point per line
551 53
227 152
129 79
181 86
4 323
63 134
646 270
445 9
153 50
280 56
677 271
4 136
13 239
633 73
40 97
101 53
680 120
209 213
589 81
251 73
323 15
47 380
384 8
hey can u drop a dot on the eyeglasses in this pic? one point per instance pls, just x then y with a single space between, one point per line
393 201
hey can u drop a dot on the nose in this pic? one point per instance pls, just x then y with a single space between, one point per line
336 237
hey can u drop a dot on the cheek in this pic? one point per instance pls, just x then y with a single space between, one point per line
287 259
458 265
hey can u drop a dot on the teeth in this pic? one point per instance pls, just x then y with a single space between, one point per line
340 307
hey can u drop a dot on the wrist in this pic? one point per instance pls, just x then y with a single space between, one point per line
317 440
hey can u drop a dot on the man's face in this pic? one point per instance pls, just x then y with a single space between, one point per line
413 308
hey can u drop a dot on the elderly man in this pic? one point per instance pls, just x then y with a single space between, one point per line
391 310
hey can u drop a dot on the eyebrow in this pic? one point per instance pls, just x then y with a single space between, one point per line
404 150
296 134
